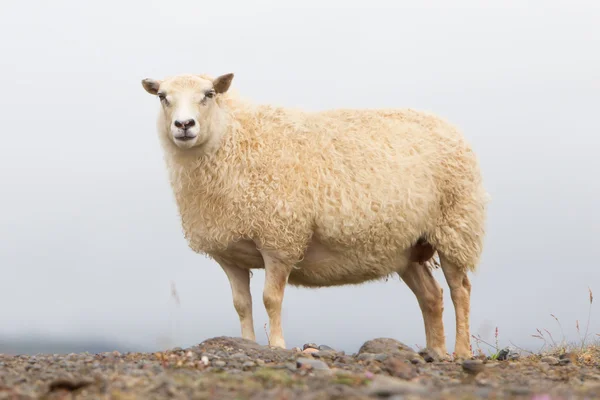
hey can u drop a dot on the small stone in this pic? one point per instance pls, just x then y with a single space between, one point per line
248 364
325 354
310 350
400 369
239 356
204 360
550 360
313 364
310 346
417 361
508 353
325 347
473 367
386 386
296 349
571 357
219 363
366 357
260 362
427 355
384 345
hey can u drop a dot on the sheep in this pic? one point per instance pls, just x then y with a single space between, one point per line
322 198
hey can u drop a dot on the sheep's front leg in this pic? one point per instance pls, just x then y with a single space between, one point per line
277 273
239 279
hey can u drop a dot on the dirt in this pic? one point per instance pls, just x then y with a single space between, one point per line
233 368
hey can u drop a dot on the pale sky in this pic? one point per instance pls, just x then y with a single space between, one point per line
90 240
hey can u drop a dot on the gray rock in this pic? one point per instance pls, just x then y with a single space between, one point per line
248 364
550 360
384 345
325 347
324 354
385 386
473 367
314 364
219 363
428 355
381 357
310 346
417 361
564 361
239 356
366 357
507 354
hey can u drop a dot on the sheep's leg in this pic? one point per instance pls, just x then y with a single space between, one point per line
277 273
460 291
431 301
239 279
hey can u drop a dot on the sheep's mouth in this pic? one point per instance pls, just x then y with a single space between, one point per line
185 138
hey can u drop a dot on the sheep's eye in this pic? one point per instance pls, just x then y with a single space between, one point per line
210 94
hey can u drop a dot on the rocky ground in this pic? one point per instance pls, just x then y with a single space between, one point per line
232 368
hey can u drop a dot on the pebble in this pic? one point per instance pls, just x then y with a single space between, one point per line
310 346
239 356
473 367
248 364
325 347
508 354
400 368
366 357
310 350
204 360
219 363
550 360
427 355
313 364
385 386
384 345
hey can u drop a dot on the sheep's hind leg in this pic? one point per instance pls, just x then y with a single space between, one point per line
277 272
460 291
239 279
430 297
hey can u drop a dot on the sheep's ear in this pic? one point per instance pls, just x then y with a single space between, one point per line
222 83
151 85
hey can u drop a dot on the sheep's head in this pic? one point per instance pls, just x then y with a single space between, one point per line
191 114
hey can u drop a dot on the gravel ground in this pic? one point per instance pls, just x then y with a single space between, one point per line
233 368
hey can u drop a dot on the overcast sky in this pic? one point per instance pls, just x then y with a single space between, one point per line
90 240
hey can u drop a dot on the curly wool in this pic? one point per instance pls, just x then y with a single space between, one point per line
360 181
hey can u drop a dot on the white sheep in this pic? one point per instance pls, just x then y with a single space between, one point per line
324 198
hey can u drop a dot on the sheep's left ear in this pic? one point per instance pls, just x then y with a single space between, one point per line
222 83
151 85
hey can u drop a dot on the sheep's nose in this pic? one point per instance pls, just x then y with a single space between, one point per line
188 123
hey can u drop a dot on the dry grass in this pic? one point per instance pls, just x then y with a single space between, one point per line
585 351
